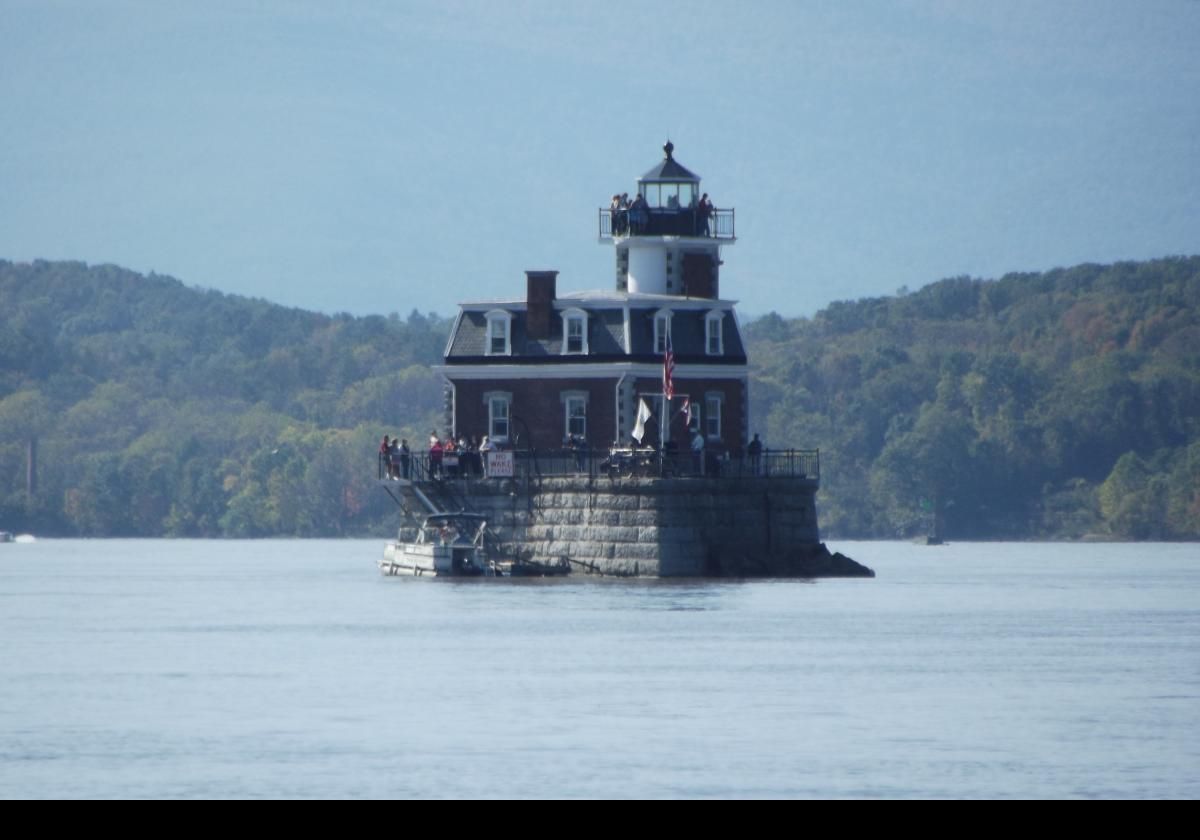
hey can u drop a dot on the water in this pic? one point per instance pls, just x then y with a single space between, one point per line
292 669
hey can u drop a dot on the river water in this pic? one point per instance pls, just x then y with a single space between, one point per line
293 669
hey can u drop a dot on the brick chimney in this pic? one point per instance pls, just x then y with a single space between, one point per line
539 299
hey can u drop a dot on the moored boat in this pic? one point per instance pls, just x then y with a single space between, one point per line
446 545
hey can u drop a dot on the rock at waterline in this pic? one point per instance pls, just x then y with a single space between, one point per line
815 561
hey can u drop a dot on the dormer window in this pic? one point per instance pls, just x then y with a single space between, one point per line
575 332
714 340
662 330
499 333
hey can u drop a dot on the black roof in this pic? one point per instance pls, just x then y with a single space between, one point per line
669 169
606 341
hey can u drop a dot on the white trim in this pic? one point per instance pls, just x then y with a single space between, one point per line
495 316
506 397
618 413
565 398
628 332
709 396
453 334
718 317
574 314
606 370
591 301
737 324
665 312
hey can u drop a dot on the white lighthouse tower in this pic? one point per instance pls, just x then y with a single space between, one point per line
668 237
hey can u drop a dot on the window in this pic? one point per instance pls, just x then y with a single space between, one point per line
714 343
712 414
693 417
499 406
575 332
575 414
499 333
662 330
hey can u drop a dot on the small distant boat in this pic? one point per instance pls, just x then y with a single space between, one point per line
447 545
25 538
6 537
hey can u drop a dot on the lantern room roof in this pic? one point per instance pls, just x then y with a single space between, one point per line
669 170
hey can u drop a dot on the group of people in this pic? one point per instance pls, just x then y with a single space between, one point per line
461 458
633 216
629 216
448 458
706 460
396 457
467 457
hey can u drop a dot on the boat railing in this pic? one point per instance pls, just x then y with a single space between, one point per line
616 462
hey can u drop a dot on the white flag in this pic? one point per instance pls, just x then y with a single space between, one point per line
639 428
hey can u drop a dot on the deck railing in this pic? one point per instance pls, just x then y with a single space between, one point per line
663 221
611 463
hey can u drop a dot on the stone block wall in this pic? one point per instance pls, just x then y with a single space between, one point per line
647 526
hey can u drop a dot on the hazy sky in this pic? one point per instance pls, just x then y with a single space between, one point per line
375 157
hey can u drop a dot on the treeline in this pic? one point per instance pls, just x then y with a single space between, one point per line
1062 404
159 409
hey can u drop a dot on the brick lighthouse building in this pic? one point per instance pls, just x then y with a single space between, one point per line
530 372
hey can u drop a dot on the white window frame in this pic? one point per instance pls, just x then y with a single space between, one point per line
713 403
499 325
661 334
491 399
714 327
576 315
571 399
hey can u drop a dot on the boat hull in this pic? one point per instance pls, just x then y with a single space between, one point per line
427 560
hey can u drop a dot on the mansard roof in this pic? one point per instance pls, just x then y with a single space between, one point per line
606 335
606 340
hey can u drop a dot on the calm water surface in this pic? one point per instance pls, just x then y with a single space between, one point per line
292 669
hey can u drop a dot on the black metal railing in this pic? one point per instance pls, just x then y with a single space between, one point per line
664 221
609 463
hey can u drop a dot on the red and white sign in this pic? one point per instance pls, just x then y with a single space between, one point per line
500 464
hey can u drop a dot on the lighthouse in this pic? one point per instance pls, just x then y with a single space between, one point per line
668 236
533 372
616 419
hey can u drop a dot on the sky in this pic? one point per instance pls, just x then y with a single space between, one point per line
376 157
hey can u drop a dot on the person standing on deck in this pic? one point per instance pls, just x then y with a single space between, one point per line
754 450
435 456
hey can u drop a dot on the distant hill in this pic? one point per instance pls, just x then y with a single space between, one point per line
1060 404
163 409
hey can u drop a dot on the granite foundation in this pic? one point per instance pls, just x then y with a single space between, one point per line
651 527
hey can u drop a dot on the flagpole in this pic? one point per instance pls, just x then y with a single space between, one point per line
662 436
668 392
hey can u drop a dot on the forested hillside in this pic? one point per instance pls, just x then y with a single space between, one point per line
1061 404
163 409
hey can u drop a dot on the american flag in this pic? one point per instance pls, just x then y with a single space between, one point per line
669 372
